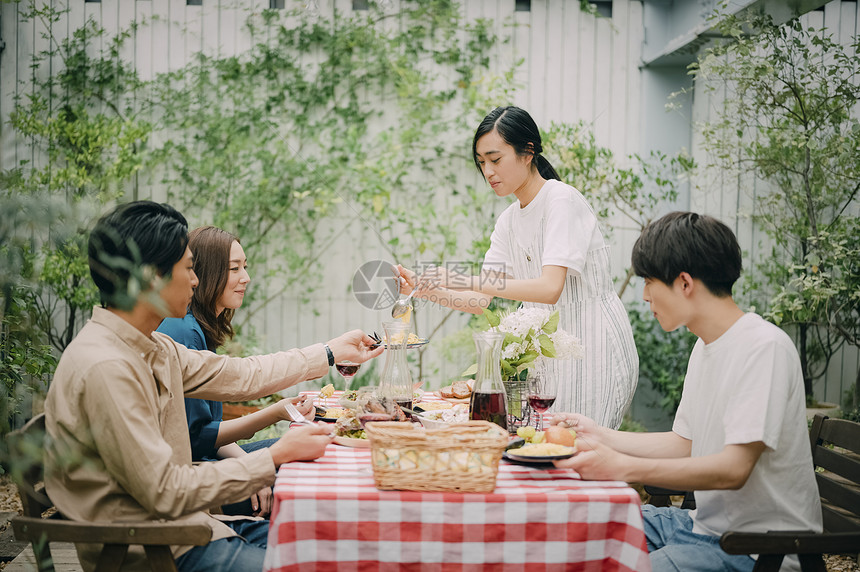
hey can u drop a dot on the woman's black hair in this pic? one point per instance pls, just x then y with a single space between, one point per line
127 239
517 128
699 245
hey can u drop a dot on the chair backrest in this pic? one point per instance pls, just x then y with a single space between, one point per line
26 446
836 457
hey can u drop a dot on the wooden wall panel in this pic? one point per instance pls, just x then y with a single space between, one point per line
575 67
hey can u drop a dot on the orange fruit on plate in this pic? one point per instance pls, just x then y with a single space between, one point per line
560 435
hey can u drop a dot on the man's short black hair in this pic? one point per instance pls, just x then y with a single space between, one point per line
688 242
127 239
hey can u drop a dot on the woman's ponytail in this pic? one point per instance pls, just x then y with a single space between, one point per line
545 168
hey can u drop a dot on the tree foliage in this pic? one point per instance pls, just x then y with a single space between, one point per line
278 144
789 117
279 141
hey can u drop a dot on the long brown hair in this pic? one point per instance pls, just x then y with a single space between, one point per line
211 249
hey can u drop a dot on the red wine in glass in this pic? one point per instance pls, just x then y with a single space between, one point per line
490 407
347 370
541 403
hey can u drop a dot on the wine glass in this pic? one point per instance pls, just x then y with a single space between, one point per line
542 390
347 370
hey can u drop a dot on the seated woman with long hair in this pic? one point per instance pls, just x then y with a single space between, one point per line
221 268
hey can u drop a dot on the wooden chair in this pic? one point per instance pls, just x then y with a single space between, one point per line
836 457
155 537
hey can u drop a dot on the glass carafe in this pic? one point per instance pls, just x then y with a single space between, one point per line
489 402
396 381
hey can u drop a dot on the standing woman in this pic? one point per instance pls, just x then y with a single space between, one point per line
547 251
221 267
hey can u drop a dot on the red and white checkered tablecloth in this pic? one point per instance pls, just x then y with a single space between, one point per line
328 515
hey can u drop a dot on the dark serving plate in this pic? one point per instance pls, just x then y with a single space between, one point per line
319 413
510 455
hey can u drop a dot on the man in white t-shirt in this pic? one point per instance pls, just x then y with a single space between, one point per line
740 436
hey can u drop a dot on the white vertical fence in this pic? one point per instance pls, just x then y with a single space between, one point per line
575 67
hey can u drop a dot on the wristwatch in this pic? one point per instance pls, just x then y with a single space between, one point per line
330 355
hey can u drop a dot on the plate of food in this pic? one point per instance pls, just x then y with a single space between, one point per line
432 406
441 418
356 442
412 341
539 453
329 414
349 427
457 392
348 399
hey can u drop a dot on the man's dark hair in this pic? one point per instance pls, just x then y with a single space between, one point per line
688 242
130 237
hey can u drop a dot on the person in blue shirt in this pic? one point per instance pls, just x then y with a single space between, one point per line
221 267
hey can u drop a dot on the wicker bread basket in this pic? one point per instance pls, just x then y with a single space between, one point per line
459 458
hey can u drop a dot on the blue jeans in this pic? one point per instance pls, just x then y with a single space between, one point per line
244 507
243 553
674 547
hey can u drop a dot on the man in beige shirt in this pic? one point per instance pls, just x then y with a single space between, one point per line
118 447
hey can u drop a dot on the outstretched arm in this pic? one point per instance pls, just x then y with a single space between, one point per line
660 459
244 427
545 290
728 469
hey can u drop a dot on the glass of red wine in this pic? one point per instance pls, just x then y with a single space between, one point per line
542 390
347 370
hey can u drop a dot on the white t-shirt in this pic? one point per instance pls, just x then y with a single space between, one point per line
744 387
559 228
564 218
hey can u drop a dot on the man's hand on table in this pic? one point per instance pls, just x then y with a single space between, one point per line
301 443
353 346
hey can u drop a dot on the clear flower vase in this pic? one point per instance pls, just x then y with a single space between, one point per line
519 411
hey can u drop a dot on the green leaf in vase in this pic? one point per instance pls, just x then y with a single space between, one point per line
511 339
525 359
492 318
471 370
547 348
551 324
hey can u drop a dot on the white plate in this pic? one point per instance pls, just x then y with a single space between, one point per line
351 442
535 459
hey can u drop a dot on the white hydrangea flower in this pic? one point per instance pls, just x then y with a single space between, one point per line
566 345
512 351
526 320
